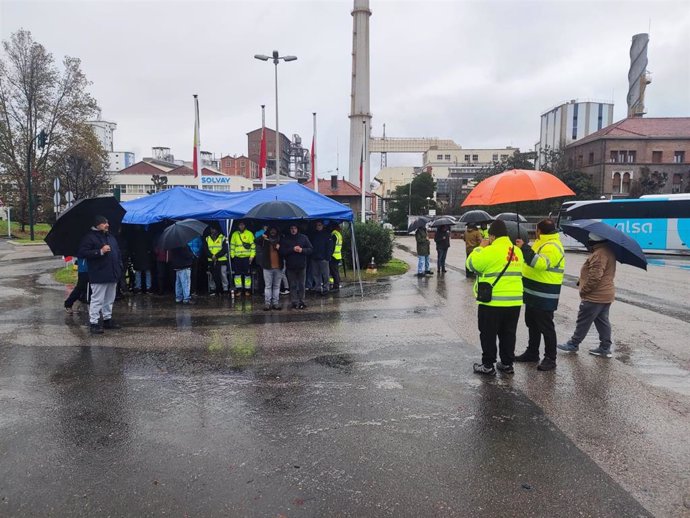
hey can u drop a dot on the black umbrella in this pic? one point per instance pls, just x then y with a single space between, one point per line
444 220
511 216
516 230
475 217
75 222
276 209
627 250
420 222
181 233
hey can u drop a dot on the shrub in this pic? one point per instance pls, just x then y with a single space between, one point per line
372 241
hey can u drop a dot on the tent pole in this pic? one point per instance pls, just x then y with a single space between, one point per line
355 261
231 280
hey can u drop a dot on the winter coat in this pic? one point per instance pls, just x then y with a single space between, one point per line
263 253
472 239
323 246
294 260
423 246
180 258
141 250
596 275
442 239
103 268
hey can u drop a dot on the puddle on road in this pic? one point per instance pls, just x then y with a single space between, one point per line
654 369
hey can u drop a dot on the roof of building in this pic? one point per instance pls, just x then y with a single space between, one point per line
149 169
345 188
642 127
145 168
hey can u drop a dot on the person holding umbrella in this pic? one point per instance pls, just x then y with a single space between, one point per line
181 260
102 254
295 247
423 251
597 293
542 276
442 240
472 237
498 290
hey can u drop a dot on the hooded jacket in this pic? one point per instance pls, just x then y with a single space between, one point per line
293 260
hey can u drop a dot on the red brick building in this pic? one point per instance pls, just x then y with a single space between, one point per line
348 194
614 156
239 166
254 149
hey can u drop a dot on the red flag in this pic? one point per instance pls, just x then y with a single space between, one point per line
262 153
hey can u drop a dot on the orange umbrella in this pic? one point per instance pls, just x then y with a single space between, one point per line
517 185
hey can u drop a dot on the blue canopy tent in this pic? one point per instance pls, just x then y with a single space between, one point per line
182 203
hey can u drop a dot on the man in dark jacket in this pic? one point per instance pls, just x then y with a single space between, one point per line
271 263
442 240
295 248
102 254
181 260
323 248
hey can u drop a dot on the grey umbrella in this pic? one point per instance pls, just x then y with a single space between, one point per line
475 216
276 209
180 233
515 229
420 222
511 216
444 220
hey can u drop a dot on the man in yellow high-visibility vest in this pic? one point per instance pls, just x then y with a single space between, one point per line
497 263
217 253
242 253
336 256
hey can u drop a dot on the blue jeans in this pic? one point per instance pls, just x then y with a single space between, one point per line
183 282
137 280
422 263
272 279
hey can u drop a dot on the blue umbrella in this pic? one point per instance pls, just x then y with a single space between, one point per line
627 250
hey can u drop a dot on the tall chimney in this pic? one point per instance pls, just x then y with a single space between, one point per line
359 97
334 182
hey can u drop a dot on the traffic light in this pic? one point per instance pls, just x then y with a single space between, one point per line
42 139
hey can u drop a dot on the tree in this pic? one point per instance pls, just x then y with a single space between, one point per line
35 95
159 182
84 172
648 183
421 188
515 161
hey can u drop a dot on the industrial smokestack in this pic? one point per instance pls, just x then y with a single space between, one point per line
359 97
638 76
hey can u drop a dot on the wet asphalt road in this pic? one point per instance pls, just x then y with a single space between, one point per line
351 408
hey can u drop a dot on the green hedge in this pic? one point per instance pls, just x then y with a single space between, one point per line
372 241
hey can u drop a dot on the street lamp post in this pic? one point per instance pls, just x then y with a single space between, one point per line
276 57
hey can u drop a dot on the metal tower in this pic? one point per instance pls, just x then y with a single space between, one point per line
638 76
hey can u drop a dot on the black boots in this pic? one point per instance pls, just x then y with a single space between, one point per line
95 329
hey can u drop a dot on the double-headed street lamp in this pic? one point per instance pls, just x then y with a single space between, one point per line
276 58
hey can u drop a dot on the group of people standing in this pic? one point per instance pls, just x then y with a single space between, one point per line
273 259
509 274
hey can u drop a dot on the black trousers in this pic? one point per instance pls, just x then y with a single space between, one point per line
79 293
540 323
335 273
296 278
498 322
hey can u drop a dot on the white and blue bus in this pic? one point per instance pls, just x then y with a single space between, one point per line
659 223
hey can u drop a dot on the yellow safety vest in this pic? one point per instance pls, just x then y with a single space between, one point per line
488 262
543 275
237 242
338 249
215 246
484 232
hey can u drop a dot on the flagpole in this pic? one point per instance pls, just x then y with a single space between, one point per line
196 161
315 179
262 147
362 175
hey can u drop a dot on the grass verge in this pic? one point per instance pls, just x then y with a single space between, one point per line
65 275
393 267
40 231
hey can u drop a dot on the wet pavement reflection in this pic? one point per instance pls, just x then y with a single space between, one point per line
353 407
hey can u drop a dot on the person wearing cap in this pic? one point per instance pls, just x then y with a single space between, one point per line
295 249
496 261
597 293
102 254
542 277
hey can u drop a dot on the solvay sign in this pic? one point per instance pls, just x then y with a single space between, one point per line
215 180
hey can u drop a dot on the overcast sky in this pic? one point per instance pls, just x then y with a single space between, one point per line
480 73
